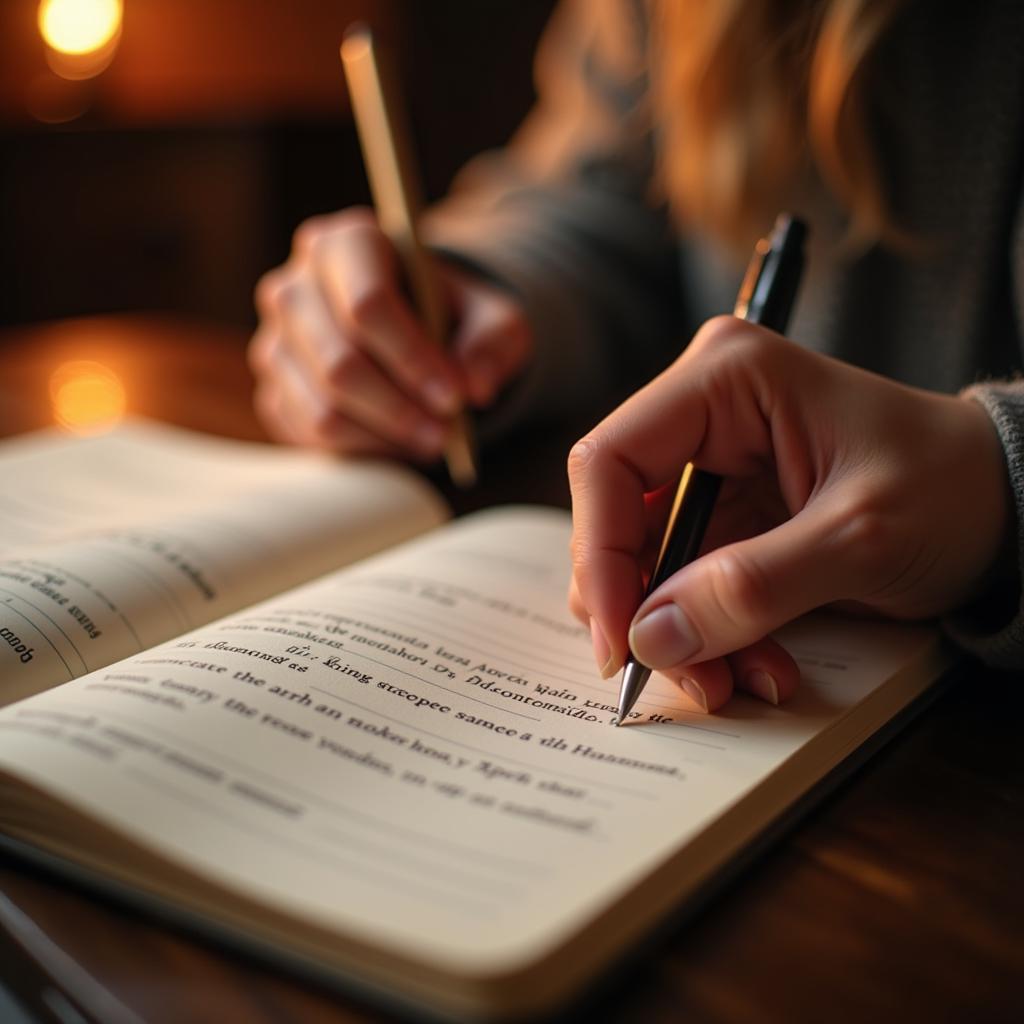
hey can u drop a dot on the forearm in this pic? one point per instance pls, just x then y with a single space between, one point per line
598 282
564 217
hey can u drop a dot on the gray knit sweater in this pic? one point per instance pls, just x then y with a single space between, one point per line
564 216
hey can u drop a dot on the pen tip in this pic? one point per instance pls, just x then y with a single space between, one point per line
634 677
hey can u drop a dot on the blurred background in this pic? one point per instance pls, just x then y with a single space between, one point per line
156 155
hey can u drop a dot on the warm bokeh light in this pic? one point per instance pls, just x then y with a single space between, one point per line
87 397
53 99
79 26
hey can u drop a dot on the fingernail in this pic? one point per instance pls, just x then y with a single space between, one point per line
763 685
602 651
693 690
441 396
428 437
664 637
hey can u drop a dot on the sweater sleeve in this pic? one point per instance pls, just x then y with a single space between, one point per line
994 629
564 217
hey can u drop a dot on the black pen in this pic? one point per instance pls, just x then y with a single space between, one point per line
765 297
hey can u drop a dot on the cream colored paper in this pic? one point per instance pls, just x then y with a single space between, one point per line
415 753
112 544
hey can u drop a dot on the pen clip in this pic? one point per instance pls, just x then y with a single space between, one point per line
755 268
769 287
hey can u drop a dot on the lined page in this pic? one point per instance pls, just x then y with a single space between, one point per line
417 751
111 544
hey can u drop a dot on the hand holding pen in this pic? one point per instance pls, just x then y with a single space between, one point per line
836 488
766 297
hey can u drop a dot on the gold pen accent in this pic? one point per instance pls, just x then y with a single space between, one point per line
765 297
387 153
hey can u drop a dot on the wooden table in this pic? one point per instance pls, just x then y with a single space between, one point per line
899 898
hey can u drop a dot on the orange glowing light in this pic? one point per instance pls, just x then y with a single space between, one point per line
87 397
79 26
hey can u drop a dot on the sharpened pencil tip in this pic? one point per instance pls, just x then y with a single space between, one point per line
460 457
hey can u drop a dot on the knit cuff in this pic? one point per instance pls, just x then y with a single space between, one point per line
993 628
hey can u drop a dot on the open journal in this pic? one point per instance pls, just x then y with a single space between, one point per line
401 774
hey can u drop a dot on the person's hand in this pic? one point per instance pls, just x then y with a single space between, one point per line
341 362
840 486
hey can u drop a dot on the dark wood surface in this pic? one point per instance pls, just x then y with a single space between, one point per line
898 898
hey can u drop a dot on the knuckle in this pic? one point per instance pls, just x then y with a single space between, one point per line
268 408
740 590
346 369
865 533
271 290
577 608
315 234
577 553
591 564
718 331
736 342
584 581
309 235
369 305
323 425
358 218
582 456
580 552
272 410
259 354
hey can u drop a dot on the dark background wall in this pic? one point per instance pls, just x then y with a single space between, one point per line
219 125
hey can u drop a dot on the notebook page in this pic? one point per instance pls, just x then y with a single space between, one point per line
111 544
417 751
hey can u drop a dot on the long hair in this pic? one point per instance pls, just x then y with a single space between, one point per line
753 96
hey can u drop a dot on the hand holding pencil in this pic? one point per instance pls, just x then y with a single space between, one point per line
345 360
387 153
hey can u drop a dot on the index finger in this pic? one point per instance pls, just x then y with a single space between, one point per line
609 528
642 446
360 274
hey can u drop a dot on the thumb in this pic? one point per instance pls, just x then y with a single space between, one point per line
492 340
736 595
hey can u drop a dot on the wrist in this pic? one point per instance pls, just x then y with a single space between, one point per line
996 501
